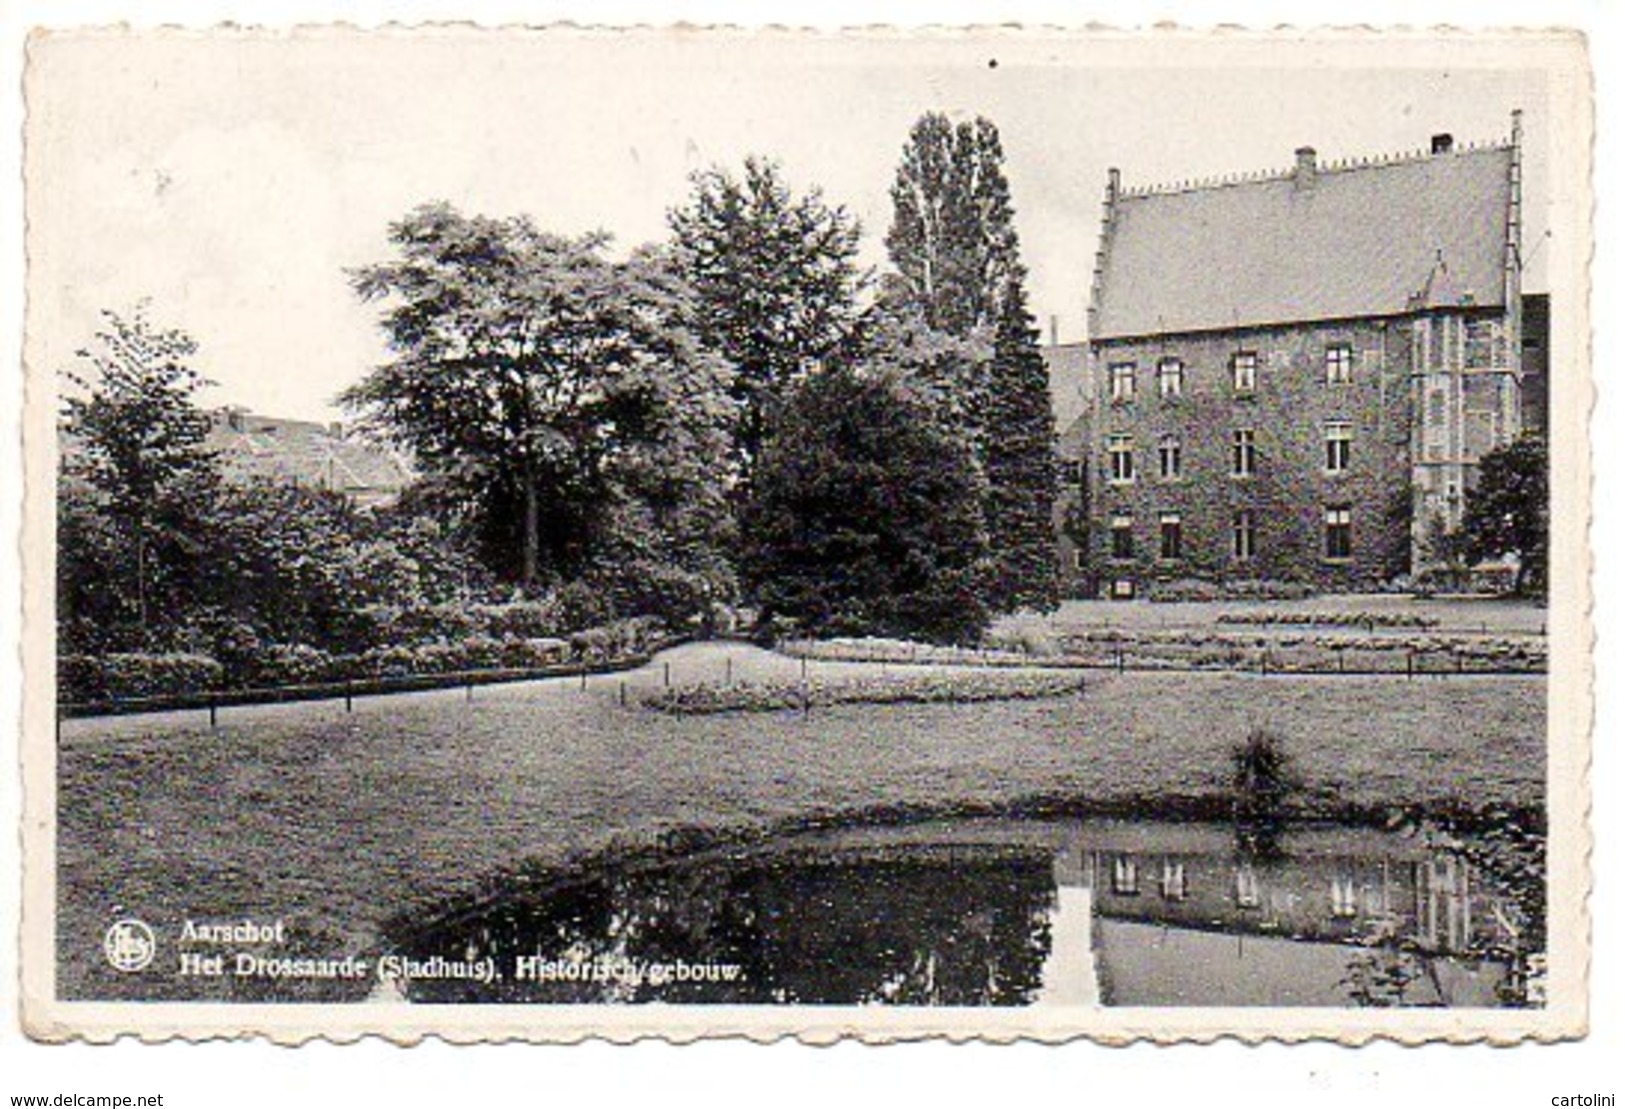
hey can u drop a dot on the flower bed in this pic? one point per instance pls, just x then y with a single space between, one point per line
962 688
1289 651
1368 620
875 649
1306 653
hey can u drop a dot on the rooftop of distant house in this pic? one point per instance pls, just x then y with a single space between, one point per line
320 455
1321 241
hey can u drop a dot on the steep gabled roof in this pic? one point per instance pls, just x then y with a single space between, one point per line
251 446
1350 242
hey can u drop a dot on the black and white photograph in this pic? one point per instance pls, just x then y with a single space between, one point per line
1023 534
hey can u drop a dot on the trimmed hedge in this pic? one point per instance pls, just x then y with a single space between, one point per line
86 678
115 676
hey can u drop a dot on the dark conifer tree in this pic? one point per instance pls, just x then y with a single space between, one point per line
1020 464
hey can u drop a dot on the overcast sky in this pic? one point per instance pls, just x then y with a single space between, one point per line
232 179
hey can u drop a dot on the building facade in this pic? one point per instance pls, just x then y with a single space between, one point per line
1292 376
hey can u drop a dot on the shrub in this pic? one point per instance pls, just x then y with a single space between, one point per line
1261 781
292 664
1028 637
87 678
538 619
581 606
532 654
1184 589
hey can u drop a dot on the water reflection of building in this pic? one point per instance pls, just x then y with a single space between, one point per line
1076 913
1333 887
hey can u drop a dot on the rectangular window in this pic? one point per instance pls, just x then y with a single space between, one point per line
1122 536
1120 453
1122 381
1244 371
1345 900
1249 895
1338 437
1173 881
1168 458
1171 539
1339 364
1243 535
1080 559
1339 532
1125 876
1170 377
1244 456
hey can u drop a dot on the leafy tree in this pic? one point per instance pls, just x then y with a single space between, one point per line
563 393
953 238
139 484
775 280
1507 511
866 517
1022 469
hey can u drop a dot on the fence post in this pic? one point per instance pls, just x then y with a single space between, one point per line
468 693
728 670
214 720
666 674
1410 663
803 669
1264 662
623 693
1339 653
349 697
583 674
1461 663
1119 660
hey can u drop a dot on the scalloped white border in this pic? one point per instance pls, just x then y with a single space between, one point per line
1570 708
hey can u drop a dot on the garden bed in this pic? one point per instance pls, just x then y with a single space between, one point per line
963 688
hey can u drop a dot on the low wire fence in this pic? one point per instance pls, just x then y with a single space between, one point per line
349 691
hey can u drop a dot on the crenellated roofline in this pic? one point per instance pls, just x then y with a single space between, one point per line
1338 165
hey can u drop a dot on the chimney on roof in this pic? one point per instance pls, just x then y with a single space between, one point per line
1443 143
1303 173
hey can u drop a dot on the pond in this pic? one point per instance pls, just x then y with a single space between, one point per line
993 912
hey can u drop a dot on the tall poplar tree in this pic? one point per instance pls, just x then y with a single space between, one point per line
953 238
957 257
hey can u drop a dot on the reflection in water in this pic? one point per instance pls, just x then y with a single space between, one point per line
1002 913
926 927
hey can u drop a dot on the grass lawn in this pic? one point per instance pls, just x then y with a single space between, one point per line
337 823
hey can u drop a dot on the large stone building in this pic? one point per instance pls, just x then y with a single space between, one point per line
1292 376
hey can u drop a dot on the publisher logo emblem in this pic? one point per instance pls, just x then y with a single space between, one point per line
129 945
